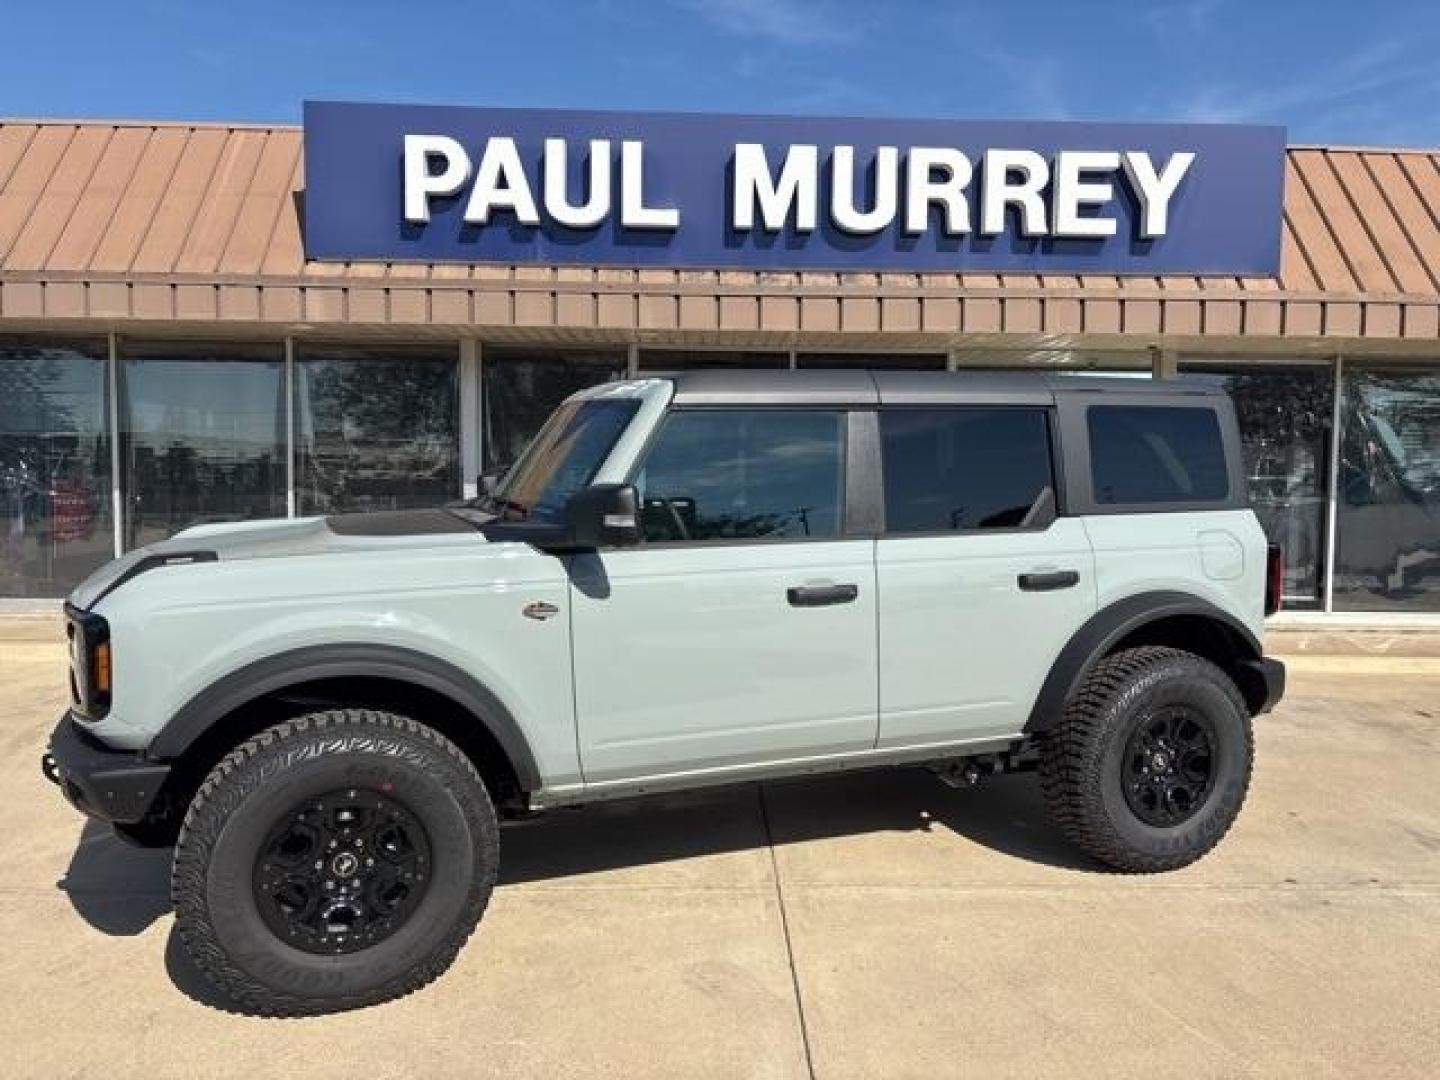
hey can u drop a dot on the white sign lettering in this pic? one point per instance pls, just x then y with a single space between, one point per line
1069 196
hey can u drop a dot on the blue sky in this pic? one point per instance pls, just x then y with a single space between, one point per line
1331 72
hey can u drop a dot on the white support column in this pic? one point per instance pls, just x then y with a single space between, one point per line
794 360
112 407
471 442
632 361
952 359
1164 363
289 427
1332 485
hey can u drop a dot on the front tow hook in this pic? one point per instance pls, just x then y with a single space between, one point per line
50 769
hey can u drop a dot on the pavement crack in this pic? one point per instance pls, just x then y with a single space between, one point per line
785 930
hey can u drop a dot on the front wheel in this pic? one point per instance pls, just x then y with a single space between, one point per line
336 860
1150 764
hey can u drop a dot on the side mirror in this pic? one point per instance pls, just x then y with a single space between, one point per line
604 516
491 478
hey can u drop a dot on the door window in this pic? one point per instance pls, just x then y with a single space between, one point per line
955 468
1157 454
743 474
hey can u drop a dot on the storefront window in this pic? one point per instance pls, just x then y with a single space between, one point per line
878 361
657 360
1284 417
523 386
55 524
376 429
1388 497
202 436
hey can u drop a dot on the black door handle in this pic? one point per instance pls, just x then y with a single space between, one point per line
1050 579
820 595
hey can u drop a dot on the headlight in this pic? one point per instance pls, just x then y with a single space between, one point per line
91 667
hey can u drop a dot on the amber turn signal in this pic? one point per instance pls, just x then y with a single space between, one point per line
102 667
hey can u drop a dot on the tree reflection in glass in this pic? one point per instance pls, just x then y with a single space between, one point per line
376 429
1388 514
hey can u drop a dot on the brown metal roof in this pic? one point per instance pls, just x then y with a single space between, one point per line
199 223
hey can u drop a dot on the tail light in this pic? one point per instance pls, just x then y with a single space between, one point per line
1274 577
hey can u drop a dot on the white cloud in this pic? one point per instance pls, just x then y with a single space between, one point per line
1387 70
1182 21
785 22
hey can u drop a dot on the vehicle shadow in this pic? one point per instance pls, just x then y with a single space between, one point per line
122 890
117 888
1004 814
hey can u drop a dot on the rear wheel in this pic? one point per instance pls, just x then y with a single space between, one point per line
1150 764
333 861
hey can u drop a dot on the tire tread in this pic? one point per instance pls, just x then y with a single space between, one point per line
242 771
1071 759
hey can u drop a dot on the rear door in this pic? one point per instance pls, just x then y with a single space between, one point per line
742 630
981 584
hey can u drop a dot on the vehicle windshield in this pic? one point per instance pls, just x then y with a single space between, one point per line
563 458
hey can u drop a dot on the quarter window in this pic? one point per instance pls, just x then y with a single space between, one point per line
957 468
1156 454
743 474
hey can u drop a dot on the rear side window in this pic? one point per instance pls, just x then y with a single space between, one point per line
964 468
743 474
1156 454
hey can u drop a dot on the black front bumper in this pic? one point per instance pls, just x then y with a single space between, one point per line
1266 676
112 785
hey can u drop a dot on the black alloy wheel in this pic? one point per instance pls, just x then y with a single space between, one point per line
1169 765
1149 765
335 860
342 871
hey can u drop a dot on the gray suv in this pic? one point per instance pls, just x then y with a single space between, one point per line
712 578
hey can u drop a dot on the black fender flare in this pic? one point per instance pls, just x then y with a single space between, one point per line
342 661
1098 635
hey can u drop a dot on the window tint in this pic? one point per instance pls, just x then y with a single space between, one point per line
963 468
731 474
1147 454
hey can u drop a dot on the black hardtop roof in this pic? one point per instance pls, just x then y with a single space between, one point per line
863 387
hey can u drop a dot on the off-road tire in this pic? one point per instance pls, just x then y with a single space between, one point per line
211 881
1081 758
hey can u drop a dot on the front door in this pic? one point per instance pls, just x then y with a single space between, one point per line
742 630
981 585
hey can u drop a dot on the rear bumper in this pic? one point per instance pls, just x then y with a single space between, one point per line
1267 676
111 785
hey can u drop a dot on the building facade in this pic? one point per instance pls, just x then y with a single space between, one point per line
169 354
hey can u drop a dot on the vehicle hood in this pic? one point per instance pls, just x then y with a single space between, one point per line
387 530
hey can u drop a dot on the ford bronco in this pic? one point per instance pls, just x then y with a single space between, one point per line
710 578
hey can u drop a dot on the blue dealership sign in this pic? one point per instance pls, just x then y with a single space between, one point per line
447 184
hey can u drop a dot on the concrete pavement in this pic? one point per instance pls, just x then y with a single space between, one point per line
870 925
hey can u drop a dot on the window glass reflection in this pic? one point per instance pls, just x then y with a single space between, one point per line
1388 498
658 360
521 388
1284 420
55 523
877 361
733 474
376 429
202 437
948 469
